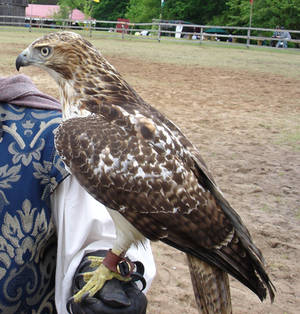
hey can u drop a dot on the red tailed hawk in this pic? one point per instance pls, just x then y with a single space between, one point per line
135 161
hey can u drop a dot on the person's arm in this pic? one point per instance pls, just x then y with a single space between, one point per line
84 225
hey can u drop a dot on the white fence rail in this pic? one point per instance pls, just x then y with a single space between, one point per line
158 30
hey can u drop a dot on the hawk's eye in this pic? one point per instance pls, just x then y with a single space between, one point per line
45 51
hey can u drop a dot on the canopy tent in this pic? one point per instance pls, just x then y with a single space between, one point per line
215 31
46 12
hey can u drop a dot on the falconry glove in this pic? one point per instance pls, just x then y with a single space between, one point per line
115 296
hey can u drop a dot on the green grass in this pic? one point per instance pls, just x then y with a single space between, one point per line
265 208
281 62
291 139
285 63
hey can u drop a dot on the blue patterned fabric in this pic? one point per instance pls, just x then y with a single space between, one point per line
30 170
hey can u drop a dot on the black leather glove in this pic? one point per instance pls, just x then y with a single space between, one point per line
116 297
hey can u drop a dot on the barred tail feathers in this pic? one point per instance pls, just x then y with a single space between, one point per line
211 287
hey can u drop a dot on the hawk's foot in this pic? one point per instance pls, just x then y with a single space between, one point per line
96 280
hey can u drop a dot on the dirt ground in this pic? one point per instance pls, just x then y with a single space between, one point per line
246 125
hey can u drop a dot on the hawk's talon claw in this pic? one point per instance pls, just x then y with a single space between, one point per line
85 296
138 277
68 305
85 263
78 277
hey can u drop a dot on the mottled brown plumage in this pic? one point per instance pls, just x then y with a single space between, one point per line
211 287
134 160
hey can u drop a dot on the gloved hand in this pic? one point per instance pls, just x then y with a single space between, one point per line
116 297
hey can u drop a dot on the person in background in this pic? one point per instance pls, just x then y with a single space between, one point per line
284 36
48 222
276 34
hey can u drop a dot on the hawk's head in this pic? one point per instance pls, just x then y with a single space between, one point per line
62 54
84 76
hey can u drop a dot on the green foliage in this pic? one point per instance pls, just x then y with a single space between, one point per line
266 13
283 12
76 4
53 2
63 13
110 10
237 13
140 11
86 6
196 11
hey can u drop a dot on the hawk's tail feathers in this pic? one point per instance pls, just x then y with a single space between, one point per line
241 258
211 287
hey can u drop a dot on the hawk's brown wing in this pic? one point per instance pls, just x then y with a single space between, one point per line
134 165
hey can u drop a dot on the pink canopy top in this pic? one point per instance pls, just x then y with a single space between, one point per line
47 11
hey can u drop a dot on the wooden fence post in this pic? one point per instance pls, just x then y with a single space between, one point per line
123 31
250 24
248 37
90 30
158 34
201 35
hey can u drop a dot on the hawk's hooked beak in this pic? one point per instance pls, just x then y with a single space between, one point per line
22 59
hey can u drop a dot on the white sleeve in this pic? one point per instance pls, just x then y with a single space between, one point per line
84 225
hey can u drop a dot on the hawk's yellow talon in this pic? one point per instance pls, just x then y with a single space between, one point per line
95 261
96 280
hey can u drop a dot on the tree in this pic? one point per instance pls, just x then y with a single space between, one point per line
270 13
63 13
143 11
266 13
86 6
53 2
110 10
196 11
